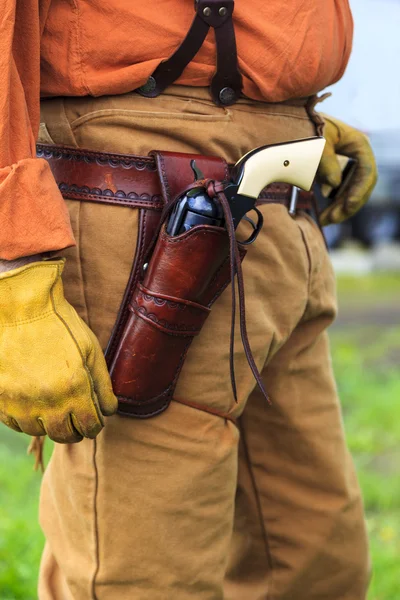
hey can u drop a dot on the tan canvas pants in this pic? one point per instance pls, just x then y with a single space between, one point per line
166 508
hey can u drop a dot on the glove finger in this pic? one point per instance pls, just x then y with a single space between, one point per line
87 424
31 426
10 422
101 379
325 218
359 189
352 197
61 430
70 430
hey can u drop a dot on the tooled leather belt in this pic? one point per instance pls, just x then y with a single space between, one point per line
129 180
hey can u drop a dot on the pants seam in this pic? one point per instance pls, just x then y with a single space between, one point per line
208 410
80 267
67 129
54 116
310 261
96 523
259 508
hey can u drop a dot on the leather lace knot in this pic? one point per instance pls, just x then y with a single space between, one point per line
215 189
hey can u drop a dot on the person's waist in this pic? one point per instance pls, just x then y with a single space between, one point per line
176 99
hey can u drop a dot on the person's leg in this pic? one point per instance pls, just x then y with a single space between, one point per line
146 510
299 526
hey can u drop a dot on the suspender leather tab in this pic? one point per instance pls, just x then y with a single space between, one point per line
226 85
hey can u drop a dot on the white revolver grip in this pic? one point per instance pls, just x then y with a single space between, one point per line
294 162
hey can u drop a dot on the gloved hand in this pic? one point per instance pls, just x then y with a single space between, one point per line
347 141
53 376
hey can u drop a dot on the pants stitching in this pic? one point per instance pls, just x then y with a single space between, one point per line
66 129
205 409
310 260
79 265
96 523
259 508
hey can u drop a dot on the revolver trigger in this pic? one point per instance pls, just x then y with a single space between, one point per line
246 218
257 227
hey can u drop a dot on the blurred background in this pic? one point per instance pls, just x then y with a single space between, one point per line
365 339
368 97
365 252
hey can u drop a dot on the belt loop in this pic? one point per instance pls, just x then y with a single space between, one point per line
53 115
314 116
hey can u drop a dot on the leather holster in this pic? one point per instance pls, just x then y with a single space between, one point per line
173 284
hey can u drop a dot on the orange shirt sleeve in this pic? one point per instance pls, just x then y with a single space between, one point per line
33 214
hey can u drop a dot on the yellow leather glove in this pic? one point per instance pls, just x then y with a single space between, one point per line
53 376
347 141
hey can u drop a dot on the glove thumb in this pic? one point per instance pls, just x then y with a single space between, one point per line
329 170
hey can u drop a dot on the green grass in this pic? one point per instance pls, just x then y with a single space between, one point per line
368 288
366 359
20 538
366 363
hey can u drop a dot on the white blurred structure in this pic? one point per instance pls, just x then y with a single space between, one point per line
368 96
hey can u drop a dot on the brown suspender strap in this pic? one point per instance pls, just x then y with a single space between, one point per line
226 85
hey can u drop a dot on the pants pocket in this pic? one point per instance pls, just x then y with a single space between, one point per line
183 126
98 268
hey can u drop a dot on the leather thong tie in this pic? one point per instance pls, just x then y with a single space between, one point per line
226 85
215 189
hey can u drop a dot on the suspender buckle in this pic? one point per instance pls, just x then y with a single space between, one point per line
227 83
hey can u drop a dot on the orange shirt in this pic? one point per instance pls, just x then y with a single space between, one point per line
97 47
